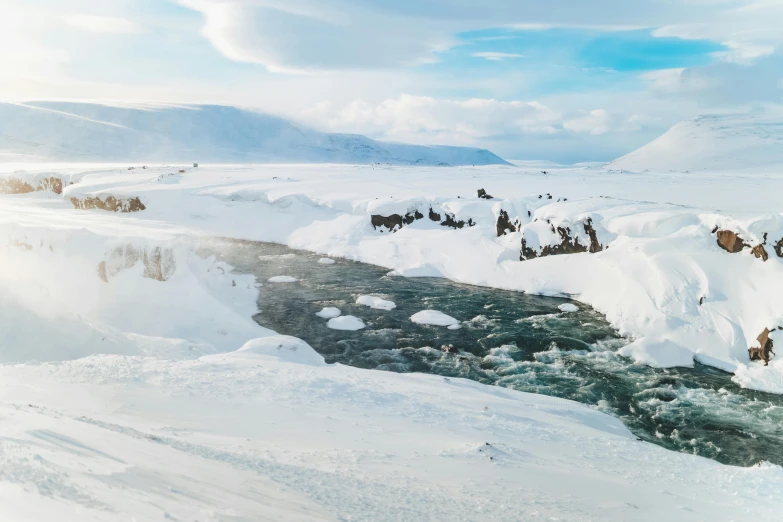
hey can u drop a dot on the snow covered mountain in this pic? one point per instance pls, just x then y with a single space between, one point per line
86 132
726 142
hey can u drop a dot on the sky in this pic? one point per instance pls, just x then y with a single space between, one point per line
562 80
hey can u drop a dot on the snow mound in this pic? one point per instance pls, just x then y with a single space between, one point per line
568 307
326 261
434 318
329 312
727 142
282 279
67 131
658 353
283 347
347 323
375 302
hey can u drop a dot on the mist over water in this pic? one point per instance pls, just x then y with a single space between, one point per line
510 339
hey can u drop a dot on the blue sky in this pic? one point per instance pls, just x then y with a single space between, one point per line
565 80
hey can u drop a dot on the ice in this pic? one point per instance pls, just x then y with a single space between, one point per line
326 261
375 302
435 318
658 353
282 279
283 347
347 323
568 307
329 312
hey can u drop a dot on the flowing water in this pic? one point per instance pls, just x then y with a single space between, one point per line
510 339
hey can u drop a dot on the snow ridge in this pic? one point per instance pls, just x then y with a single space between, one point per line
718 142
69 131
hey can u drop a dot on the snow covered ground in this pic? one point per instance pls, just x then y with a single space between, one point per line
136 383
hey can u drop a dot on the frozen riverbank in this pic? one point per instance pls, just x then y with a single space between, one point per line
181 414
640 248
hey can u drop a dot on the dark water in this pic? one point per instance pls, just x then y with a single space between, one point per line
510 339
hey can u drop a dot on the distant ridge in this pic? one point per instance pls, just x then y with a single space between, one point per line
92 132
725 142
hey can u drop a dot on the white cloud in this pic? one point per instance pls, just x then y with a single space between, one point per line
595 122
424 119
286 35
496 57
103 24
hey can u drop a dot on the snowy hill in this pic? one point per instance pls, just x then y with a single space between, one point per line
730 142
67 131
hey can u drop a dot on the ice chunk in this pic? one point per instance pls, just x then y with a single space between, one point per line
658 353
329 312
568 307
375 302
283 347
326 261
434 318
283 279
347 323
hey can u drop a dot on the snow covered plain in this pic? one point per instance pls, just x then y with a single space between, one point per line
112 412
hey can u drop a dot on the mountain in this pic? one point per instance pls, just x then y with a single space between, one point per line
725 142
87 132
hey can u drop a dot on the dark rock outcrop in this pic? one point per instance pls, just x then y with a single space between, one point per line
730 241
760 252
110 204
395 222
765 348
483 194
449 348
779 248
504 224
569 243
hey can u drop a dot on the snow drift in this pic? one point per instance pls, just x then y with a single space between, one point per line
67 131
727 142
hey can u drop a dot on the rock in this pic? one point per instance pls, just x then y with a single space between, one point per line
779 248
19 186
760 252
504 224
483 194
764 350
159 263
110 204
449 348
452 222
730 241
569 243
395 222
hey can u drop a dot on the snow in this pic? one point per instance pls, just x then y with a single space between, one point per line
154 398
284 347
326 261
347 322
329 312
658 353
282 279
68 131
750 142
434 318
568 307
375 302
